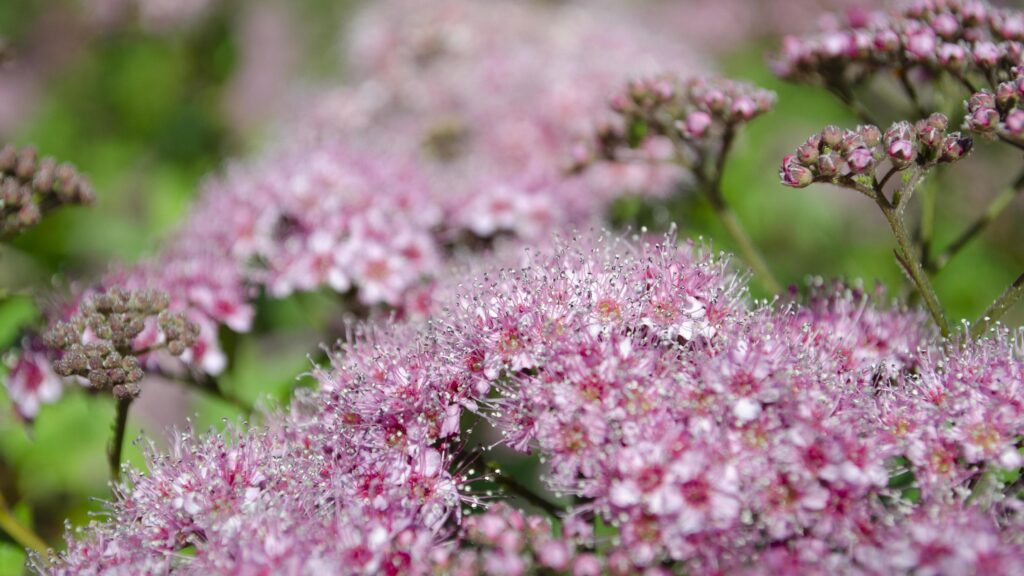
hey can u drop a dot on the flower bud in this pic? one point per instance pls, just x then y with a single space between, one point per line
986 54
983 119
870 135
831 136
793 174
860 160
955 147
1006 95
901 152
1014 123
952 56
807 153
743 108
828 164
697 124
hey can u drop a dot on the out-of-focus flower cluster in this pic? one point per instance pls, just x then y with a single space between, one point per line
999 113
30 187
841 156
152 15
693 115
456 131
964 38
709 433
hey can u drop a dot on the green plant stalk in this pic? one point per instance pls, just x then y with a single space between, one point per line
746 246
514 487
994 209
905 253
927 228
998 308
117 442
732 225
18 532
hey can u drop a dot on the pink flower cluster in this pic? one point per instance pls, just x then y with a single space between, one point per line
962 37
840 156
709 433
474 111
999 114
490 98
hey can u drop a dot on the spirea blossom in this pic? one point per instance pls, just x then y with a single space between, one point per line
30 187
709 432
842 156
490 99
963 38
463 142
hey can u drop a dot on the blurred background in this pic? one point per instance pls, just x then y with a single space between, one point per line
146 97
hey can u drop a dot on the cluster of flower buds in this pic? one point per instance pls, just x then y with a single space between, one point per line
998 114
102 342
30 187
963 37
836 155
698 111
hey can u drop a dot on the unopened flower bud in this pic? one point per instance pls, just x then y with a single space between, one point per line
1015 123
697 124
901 153
955 147
870 135
986 54
1006 95
860 160
795 175
831 136
829 164
983 119
807 153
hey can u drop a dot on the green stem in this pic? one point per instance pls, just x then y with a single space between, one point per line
746 246
995 208
18 532
1000 307
514 487
117 442
905 253
908 88
732 225
926 232
845 95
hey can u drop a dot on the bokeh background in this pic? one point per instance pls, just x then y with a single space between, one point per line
148 97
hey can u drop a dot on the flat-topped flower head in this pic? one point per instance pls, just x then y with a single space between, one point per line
104 340
965 38
841 156
30 187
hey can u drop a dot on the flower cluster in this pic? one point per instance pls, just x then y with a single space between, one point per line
102 341
710 434
965 38
153 15
323 215
840 156
999 113
31 187
490 98
700 112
